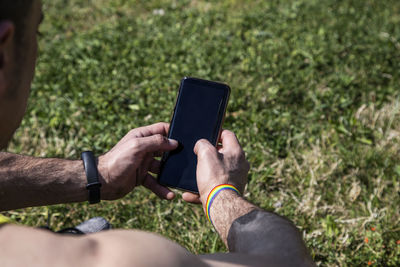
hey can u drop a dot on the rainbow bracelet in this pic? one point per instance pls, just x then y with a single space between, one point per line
214 192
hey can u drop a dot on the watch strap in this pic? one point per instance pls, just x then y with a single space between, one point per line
92 175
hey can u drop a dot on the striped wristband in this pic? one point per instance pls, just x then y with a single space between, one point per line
214 192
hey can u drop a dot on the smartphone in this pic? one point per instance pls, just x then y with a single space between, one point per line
199 112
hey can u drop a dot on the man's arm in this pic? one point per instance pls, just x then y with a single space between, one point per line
247 229
28 181
243 227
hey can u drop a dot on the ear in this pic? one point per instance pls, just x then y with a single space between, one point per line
6 38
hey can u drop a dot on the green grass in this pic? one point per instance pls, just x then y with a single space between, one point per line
315 102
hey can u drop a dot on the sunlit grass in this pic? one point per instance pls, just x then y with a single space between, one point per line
315 104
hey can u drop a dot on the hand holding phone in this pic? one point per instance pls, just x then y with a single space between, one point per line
198 114
226 164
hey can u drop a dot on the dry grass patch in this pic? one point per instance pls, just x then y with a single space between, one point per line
336 191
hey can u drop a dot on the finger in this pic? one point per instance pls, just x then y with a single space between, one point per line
155 166
158 153
219 147
157 128
219 136
155 143
203 147
229 141
145 167
191 198
161 191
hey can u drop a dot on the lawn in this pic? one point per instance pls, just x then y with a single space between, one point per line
315 103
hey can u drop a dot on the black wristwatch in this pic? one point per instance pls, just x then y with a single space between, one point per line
92 175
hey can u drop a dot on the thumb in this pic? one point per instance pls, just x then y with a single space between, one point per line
204 148
155 143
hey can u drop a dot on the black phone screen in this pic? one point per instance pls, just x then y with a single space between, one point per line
199 112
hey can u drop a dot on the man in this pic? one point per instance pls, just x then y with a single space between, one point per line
254 237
